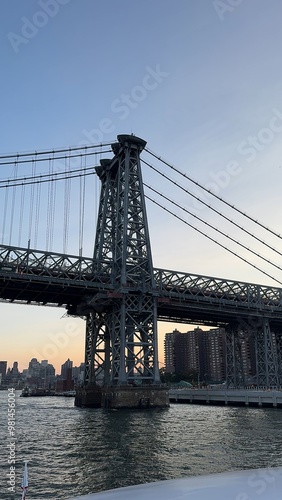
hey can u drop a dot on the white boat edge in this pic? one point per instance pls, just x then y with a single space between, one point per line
248 484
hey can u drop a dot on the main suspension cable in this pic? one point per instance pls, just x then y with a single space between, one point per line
93 153
212 208
25 179
213 227
50 178
213 194
55 151
214 241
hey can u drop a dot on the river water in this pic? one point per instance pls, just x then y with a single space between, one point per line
74 451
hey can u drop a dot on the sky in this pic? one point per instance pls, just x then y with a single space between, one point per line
199 80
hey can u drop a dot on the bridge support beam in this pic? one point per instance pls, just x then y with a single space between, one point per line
278 338
255 335
89 396
121 354
134 397
234 366
267 357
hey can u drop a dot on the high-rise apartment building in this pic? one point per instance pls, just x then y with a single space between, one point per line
248 356
169 351
187 355
197 351
215 355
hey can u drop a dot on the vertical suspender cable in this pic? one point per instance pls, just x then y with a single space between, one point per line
80 210
31 200
21 215
65 211
49 196
5 213
53 212
13 204
37 212
66 206
96 200
52 205
6 203
82 207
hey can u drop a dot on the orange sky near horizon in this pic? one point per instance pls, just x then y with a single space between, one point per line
55 339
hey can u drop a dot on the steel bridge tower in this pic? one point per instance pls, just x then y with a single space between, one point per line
121 353
268 354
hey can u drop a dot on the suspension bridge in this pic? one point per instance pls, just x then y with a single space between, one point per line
49 195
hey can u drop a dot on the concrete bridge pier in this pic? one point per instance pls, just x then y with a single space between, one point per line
121 351
142 397
121 397
89 396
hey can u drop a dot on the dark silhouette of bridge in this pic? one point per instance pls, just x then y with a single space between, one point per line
122 296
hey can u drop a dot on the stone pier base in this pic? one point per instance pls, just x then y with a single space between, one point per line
89 396
141 397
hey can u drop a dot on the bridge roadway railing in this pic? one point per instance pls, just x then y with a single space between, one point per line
184 289
206 291
43 264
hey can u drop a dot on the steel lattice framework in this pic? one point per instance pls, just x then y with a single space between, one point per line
21 269
122 296
234 367
130 348
267 357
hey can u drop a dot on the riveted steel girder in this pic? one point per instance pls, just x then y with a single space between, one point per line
267 357
122 236
267 349
278 338
234 366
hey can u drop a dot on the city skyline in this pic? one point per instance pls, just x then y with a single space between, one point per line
44 362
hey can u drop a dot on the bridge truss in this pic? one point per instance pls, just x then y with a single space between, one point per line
122 296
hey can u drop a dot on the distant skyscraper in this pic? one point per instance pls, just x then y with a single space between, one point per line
65 367
3 368
15 369
40 374
33 368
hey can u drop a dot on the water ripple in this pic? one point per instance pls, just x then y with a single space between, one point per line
75 451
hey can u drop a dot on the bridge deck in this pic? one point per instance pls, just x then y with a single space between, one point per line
36 277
